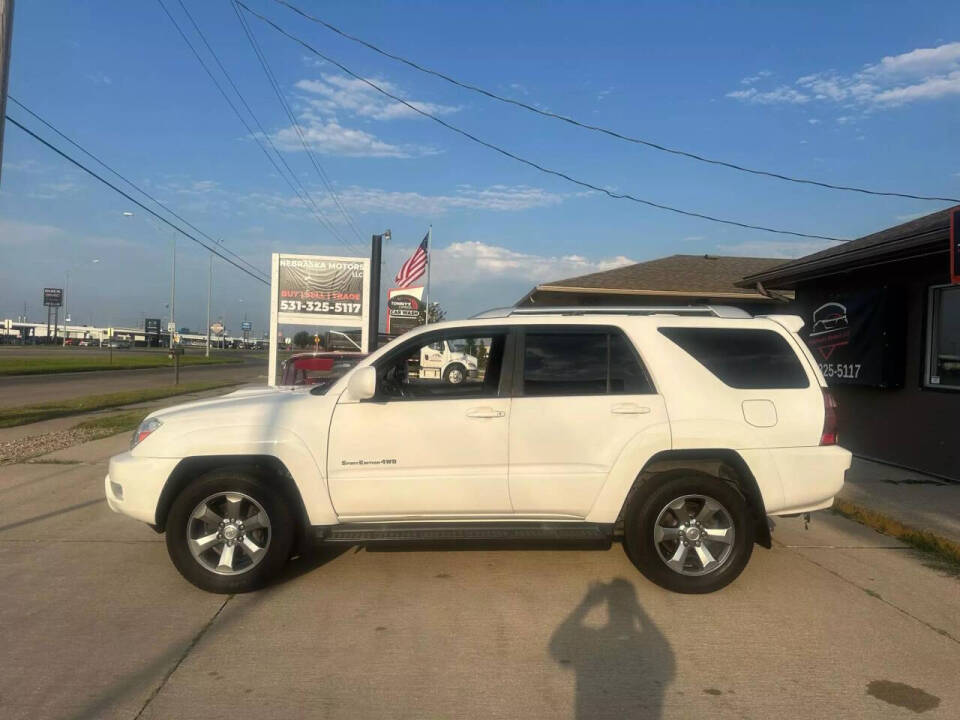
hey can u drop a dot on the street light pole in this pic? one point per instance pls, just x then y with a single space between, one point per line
6 38
173 289
209 295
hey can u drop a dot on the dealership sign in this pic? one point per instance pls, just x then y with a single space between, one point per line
404 307
246 325
856 336
318 291
151 326
53 297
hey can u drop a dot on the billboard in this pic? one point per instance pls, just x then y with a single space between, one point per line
246 325
404 308
151 326
53 297
321 285
856 336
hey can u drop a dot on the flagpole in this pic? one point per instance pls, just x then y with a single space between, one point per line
426 319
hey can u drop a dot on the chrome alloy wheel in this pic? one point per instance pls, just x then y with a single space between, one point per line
694 535
455 376
228 533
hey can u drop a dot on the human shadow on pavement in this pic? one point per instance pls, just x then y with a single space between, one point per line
622 667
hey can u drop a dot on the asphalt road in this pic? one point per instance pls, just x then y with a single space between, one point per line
17 390
835 621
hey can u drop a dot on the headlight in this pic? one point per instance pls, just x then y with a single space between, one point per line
147 427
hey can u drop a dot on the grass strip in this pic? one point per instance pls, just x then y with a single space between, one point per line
11 417
946 550
45 365
113 424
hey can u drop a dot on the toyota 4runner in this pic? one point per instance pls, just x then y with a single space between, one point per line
678 430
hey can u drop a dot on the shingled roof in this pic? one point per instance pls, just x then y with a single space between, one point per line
694 275
902 241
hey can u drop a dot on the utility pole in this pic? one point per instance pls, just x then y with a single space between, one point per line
373 328
173 290
209 295
66 300
6 38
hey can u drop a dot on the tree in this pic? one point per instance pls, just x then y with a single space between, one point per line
302 339
437 313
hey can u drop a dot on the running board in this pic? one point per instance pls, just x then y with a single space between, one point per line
468 531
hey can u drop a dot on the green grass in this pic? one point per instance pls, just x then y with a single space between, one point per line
45 364
924 540
113 424
10 417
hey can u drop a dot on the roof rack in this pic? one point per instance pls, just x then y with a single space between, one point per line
720 311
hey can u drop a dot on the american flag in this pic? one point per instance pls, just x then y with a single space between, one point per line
414 267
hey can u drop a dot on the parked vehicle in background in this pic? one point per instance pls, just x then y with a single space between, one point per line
115 344
317 369
678 430
441 360
85 343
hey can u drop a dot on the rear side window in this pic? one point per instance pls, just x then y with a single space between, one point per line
581 363
747 359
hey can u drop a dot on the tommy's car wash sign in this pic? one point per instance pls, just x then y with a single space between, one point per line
404 306
856 336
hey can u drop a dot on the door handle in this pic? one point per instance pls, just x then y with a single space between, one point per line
629 409
484 412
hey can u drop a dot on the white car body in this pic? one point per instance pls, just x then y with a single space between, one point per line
515 458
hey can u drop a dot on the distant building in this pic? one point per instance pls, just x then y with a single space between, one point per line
674 280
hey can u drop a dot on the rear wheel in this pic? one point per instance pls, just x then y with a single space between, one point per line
229 531
689 532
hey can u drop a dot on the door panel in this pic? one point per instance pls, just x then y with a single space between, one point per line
562 448
424 457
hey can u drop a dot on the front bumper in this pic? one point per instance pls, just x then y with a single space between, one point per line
133 485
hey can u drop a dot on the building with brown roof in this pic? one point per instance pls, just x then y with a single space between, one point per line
674 280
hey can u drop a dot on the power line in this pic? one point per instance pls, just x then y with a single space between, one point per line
136 202
261 57
531 163
305 196
134 185
599 129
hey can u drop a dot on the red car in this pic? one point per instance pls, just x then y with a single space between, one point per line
319 368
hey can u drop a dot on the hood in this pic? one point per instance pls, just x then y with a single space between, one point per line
246 403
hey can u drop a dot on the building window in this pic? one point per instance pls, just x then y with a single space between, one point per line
943 338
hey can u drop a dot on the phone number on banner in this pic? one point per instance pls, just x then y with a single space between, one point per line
320 306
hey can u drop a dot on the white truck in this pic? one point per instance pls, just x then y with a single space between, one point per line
675 430
447 361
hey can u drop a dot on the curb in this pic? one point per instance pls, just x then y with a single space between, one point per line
925 540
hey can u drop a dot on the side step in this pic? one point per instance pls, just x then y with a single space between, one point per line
480 531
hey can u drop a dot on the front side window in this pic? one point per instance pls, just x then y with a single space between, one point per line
742 358
581 363
943 352
449 366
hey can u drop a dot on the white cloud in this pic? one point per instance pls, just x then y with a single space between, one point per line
751 79
99 78
920 74
334 93
499 198
329 137
813 121
54 190
786 249
471 261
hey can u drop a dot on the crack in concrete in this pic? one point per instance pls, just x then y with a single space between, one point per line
183 656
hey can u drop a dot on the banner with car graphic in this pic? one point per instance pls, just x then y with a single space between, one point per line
856 337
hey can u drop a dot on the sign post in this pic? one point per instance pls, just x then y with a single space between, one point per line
955 246
318 290
53 300
151 329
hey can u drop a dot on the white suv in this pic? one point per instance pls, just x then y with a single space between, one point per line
678 430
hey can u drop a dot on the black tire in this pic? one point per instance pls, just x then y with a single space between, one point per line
651 500
463 374
230 480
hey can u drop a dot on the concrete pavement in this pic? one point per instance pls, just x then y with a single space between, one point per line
835 621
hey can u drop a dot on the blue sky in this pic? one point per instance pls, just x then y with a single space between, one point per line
855 93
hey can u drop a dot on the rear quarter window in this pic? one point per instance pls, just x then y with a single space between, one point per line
742 358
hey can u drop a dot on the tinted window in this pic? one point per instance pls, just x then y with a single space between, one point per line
748 359
581 363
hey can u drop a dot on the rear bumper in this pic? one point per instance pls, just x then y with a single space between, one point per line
133 485
809 476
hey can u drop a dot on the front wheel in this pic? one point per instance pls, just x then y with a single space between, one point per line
690 532
229 531
455 374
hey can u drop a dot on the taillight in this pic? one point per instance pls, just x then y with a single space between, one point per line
829 435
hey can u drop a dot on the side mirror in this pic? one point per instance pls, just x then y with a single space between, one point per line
363 383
